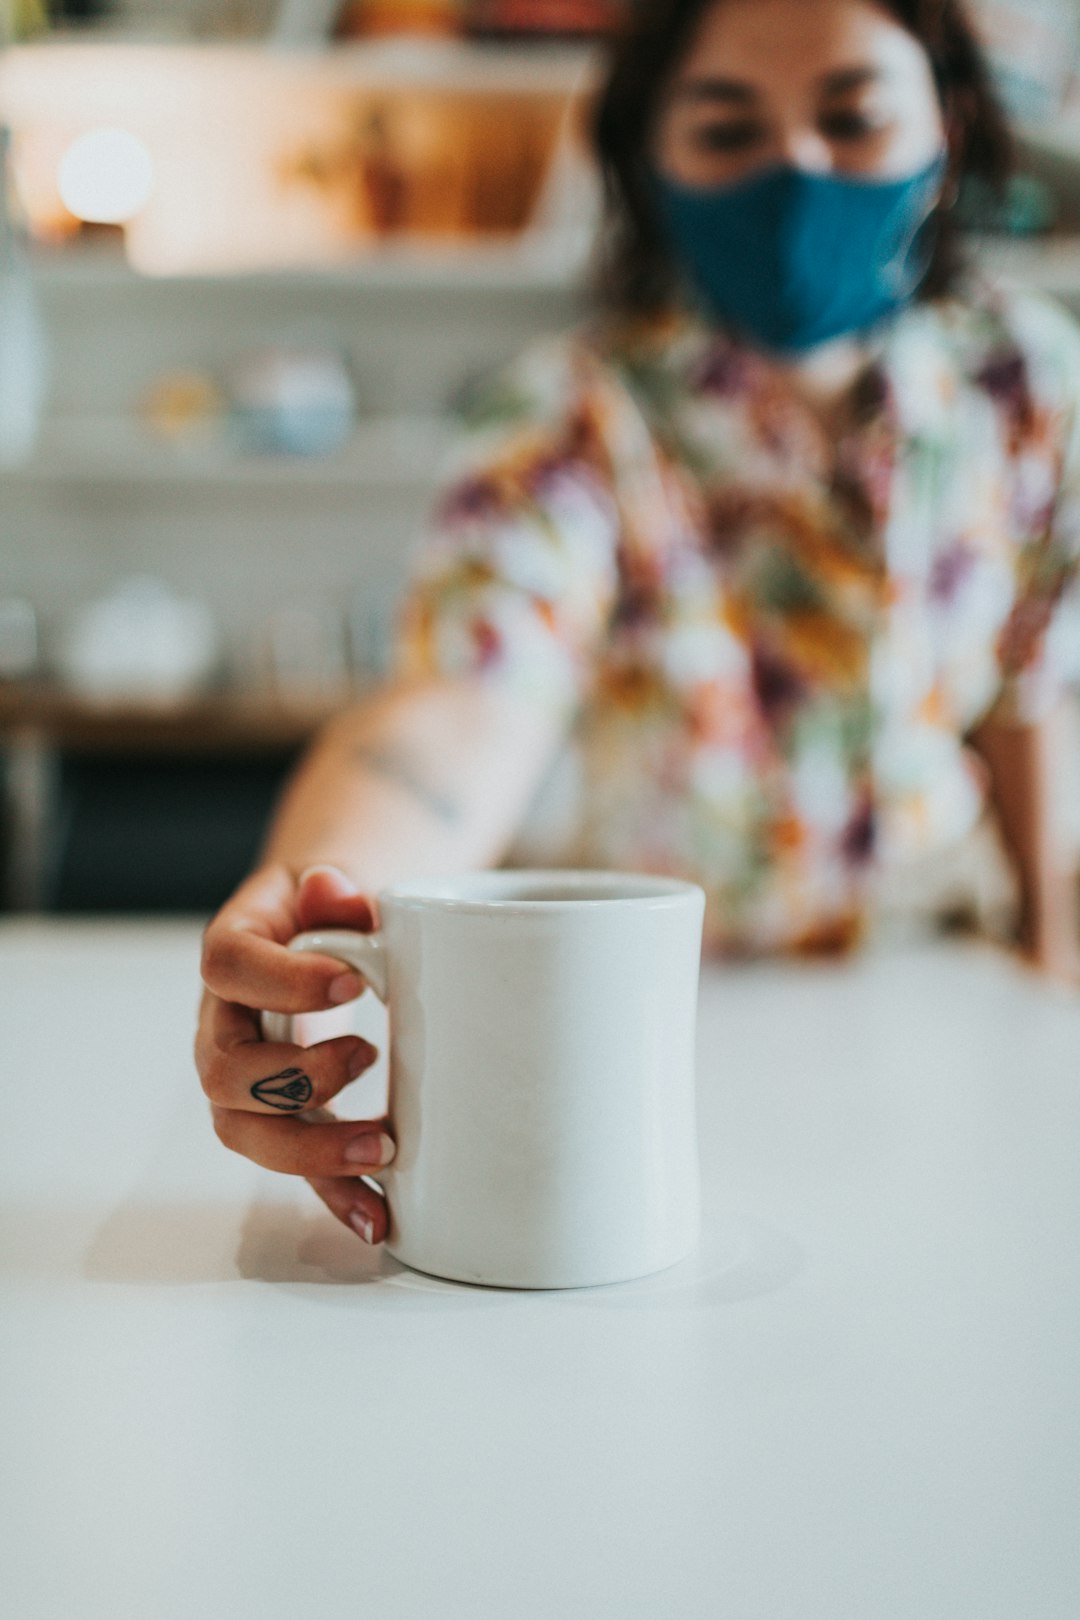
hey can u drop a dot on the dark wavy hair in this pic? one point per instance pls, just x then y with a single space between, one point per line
634 273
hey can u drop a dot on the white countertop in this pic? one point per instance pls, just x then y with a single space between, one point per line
859 1401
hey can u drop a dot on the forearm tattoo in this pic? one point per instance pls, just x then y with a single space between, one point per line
288 1090
383 763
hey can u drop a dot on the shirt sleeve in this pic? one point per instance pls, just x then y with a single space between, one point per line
1038 651
515 577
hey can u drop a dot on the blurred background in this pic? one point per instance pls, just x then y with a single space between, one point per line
252 254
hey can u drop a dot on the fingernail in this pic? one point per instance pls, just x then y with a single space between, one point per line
361 1057
346 987
370 1149
363 1224
335 871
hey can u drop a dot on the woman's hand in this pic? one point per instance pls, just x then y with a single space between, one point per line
1023 760
254 1084
1053 953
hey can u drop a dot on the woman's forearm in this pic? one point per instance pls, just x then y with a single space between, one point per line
419 777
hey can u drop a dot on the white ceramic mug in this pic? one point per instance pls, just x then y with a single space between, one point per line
542 1073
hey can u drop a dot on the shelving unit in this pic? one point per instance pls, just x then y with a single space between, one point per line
384 453
43 729
38 715
464 66
102 497
395 450
540 260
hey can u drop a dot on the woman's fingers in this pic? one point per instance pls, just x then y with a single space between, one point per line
265 902
300 1147
356 1205
326 897
239 1070
240 966
245 957
254 1085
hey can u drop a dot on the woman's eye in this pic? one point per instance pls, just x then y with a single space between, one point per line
728 137
850 126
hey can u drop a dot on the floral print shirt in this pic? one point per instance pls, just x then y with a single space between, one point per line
769 639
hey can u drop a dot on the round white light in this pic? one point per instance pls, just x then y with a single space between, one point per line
105 176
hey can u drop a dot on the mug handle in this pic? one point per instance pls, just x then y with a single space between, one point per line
364 952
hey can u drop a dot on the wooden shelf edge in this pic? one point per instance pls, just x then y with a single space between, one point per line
40 713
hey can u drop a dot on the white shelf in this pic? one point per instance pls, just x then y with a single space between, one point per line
552 261
460 65
389 452
124 76
533 262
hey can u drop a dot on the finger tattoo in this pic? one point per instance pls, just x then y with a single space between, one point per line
289 1089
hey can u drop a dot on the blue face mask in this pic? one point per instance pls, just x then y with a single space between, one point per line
792 259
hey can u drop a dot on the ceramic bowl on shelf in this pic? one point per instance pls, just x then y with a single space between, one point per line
139 643
291 401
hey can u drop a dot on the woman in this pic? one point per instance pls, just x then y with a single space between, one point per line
748 579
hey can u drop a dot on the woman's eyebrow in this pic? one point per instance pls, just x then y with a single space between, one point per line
841 81
741 93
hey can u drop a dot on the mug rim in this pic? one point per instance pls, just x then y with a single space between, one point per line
654 890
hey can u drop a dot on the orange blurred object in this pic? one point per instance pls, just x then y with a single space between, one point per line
442 165
365 18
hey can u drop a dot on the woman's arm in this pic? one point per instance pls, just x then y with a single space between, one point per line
1022 759
423 776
